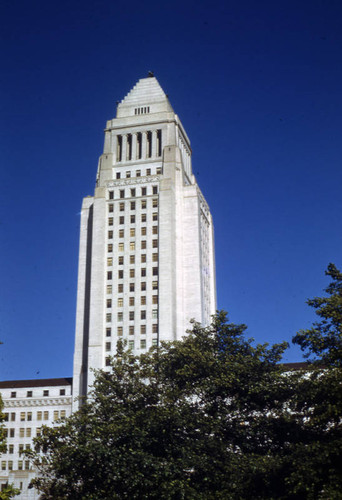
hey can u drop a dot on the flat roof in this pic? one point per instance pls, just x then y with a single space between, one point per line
16 384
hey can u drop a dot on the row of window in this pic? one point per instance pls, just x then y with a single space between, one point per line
143 286
128 139
131 301
132 192
143 258
132 205
143 273
10 466
131 315
27 416
137 173
132 219
29 394
132 232
132 245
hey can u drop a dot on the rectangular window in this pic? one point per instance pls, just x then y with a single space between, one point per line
143 231
148 171
109 261
107 362
159 171
120 288
143 217
109 275
13 417
109 302
143 257
110 235
120 302
159 145
131 344
143 329
111 195
110 221
154 342
110 207
155 271
21 432
121 233
28 432
29 416
122 206
108 332
108 317
143 314
154 299
155 189
132 219
120 274
131 287
132 205
131 301
155 202
149 144
139 145
143 203
119 331
3 465
138 173
155 230
46 415
20 465
132 231
132 245
155 257
132 259
11 449
121 247
12 433
109 288
128 174
131 315
155 216
13 394
131 330
108 346
143 244
143 271
10 465
63 413
143 300
118 175
122 193
155 328
143 344
121 219
131 273
38 431
119 148
154 285
22 416
143 191
120 316
120 260
110 248
29 394
55 415
143 286
155 243
133 192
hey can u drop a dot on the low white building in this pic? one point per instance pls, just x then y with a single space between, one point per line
29 404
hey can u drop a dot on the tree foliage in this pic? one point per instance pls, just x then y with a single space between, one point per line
208 417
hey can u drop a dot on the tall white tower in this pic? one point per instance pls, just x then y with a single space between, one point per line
146 259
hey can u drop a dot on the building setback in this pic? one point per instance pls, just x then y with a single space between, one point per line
146 259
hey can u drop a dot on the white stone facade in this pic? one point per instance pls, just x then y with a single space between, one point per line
29 404
146 262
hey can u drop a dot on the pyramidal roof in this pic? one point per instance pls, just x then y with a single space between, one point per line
146 93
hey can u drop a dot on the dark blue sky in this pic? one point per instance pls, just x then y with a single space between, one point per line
257 85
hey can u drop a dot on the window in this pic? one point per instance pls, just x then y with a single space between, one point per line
120 302
143 329
118 175
121 233
143 191
132 219
132 259
46 415
13 394
155 230
143 300
109 275
28 432
154 299
143 344
133 192
122 206
21 448
120 274
143 231
155 216
129 151
148 171
132 245
155 257
149 144
143 271
154 342
143 257
3 465
122 193
110 235
131 315
154 285
110 207
109 302
119 331
111 195
107 361
20 465
128 174
143 203
45 393
131 273
155 189
108 317
110 221
12 433
119 148
139 146
109 261
155 271
109 288
131 287
22 416
55 415
29 394
21 432
155 202
120 260
29 416
108 346
132 205
11 449
155 243
110 247
10 465
27 465
131 301
120 316
143 217
143 285
131 330
159 145
138 173
5 417
121 219
159 171
143 244
155 328
132 231
108 332
13 417
131 344
143 314
63 413
120 288
121 247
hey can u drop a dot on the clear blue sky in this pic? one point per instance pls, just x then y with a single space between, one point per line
257 85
